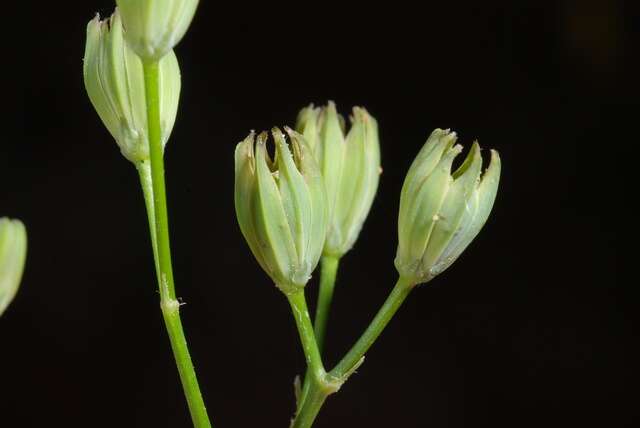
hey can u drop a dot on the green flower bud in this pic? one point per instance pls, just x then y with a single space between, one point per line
350 166
441 213
13 252
113 77
281 207
154 27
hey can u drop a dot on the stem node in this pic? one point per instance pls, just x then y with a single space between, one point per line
170 306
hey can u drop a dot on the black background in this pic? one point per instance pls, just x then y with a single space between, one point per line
531 327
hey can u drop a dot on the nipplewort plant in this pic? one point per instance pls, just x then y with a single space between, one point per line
302 207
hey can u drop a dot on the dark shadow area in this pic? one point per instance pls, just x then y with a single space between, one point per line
533 326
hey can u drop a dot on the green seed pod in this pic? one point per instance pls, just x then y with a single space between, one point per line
441 213
350 166
13 252
114 80
154 27
281 207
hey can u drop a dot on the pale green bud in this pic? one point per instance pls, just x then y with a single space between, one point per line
13 252
281 207
350 166
154 27
114 79
441 213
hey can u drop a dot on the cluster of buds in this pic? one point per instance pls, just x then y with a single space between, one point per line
300 205
281 205
13 252
139 31
309 200
312 201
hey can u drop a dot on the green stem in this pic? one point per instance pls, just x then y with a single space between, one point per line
313 402
305 330
320 385
162 251
144 171
329 269
399 293
314 395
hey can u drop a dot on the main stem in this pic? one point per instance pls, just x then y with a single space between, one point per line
162 252
307 414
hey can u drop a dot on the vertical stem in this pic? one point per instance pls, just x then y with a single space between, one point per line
152 81
316 386
305 330
399 293
329 269
144 171
311 407
162 252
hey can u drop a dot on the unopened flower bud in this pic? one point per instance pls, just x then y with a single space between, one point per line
114 80
441 213
281 207
350 166
13 252
154 27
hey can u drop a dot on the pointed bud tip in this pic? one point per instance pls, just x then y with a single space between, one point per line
279 138
249 140
262 137
359 114
293 134
495 165
494 161
245 150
